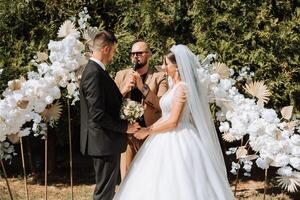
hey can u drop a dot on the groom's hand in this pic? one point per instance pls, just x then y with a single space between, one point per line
132 128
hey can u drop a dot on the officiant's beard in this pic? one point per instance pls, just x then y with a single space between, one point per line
140 65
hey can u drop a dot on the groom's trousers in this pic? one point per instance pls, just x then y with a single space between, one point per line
107 173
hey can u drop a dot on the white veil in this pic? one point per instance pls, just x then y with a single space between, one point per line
197 101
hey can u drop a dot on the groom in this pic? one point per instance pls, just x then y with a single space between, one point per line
102 133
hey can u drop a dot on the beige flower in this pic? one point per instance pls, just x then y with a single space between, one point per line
52 112
221 69
259 90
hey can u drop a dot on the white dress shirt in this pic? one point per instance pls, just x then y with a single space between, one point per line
98 62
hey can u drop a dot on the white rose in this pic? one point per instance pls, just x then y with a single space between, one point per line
285 171
295 162
262 163
214 78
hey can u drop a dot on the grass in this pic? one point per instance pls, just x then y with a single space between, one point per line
250 190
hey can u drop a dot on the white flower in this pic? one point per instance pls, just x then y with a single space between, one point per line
234 167
24 132
49 99
280 160
295 139
224 126
71 88
285 171
214 78
270 116
231 150
262 163
225 84
295 162
247 174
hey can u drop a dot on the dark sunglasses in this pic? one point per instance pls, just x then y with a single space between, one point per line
138 53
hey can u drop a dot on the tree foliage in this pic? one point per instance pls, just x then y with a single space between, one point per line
261 34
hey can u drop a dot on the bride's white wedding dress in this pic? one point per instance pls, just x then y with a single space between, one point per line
174 165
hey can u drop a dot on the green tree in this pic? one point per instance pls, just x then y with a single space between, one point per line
261 34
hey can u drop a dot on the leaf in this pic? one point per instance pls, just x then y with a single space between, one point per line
228 137
221 69
89 35
286 112
241 152
251 157
291 125
289 183
66 28
259 90
16 84
52 113
41 56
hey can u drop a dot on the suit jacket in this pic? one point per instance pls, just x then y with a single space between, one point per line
102 132
158 85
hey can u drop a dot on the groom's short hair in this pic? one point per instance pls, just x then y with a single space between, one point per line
102 39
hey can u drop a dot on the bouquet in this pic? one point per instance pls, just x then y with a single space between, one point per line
131 110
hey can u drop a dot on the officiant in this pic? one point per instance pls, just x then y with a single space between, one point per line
144 84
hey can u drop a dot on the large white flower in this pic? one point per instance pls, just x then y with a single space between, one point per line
295 162
224 127
270 116
263 163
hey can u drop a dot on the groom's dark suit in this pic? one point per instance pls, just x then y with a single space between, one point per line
102 133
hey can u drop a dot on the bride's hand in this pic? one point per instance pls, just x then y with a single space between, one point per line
142 133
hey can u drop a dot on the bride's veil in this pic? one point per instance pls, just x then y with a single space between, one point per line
197 101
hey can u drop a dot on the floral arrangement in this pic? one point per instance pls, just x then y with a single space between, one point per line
31 102
131 110
271 141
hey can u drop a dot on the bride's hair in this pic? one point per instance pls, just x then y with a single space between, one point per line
171 57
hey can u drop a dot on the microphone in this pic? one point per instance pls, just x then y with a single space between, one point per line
134 66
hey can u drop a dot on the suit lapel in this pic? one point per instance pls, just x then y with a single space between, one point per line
109 79
149 76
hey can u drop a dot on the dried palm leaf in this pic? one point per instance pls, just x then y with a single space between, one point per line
22 104
292 124
241 152
66 28
41 56
228 137
89 35
259 90
286 112
289 183
221 69
16 84
52 113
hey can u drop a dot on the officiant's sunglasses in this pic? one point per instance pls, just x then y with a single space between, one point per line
138 53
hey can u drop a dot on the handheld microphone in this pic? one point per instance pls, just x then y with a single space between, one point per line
134 66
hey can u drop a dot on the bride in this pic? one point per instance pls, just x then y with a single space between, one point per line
181 159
